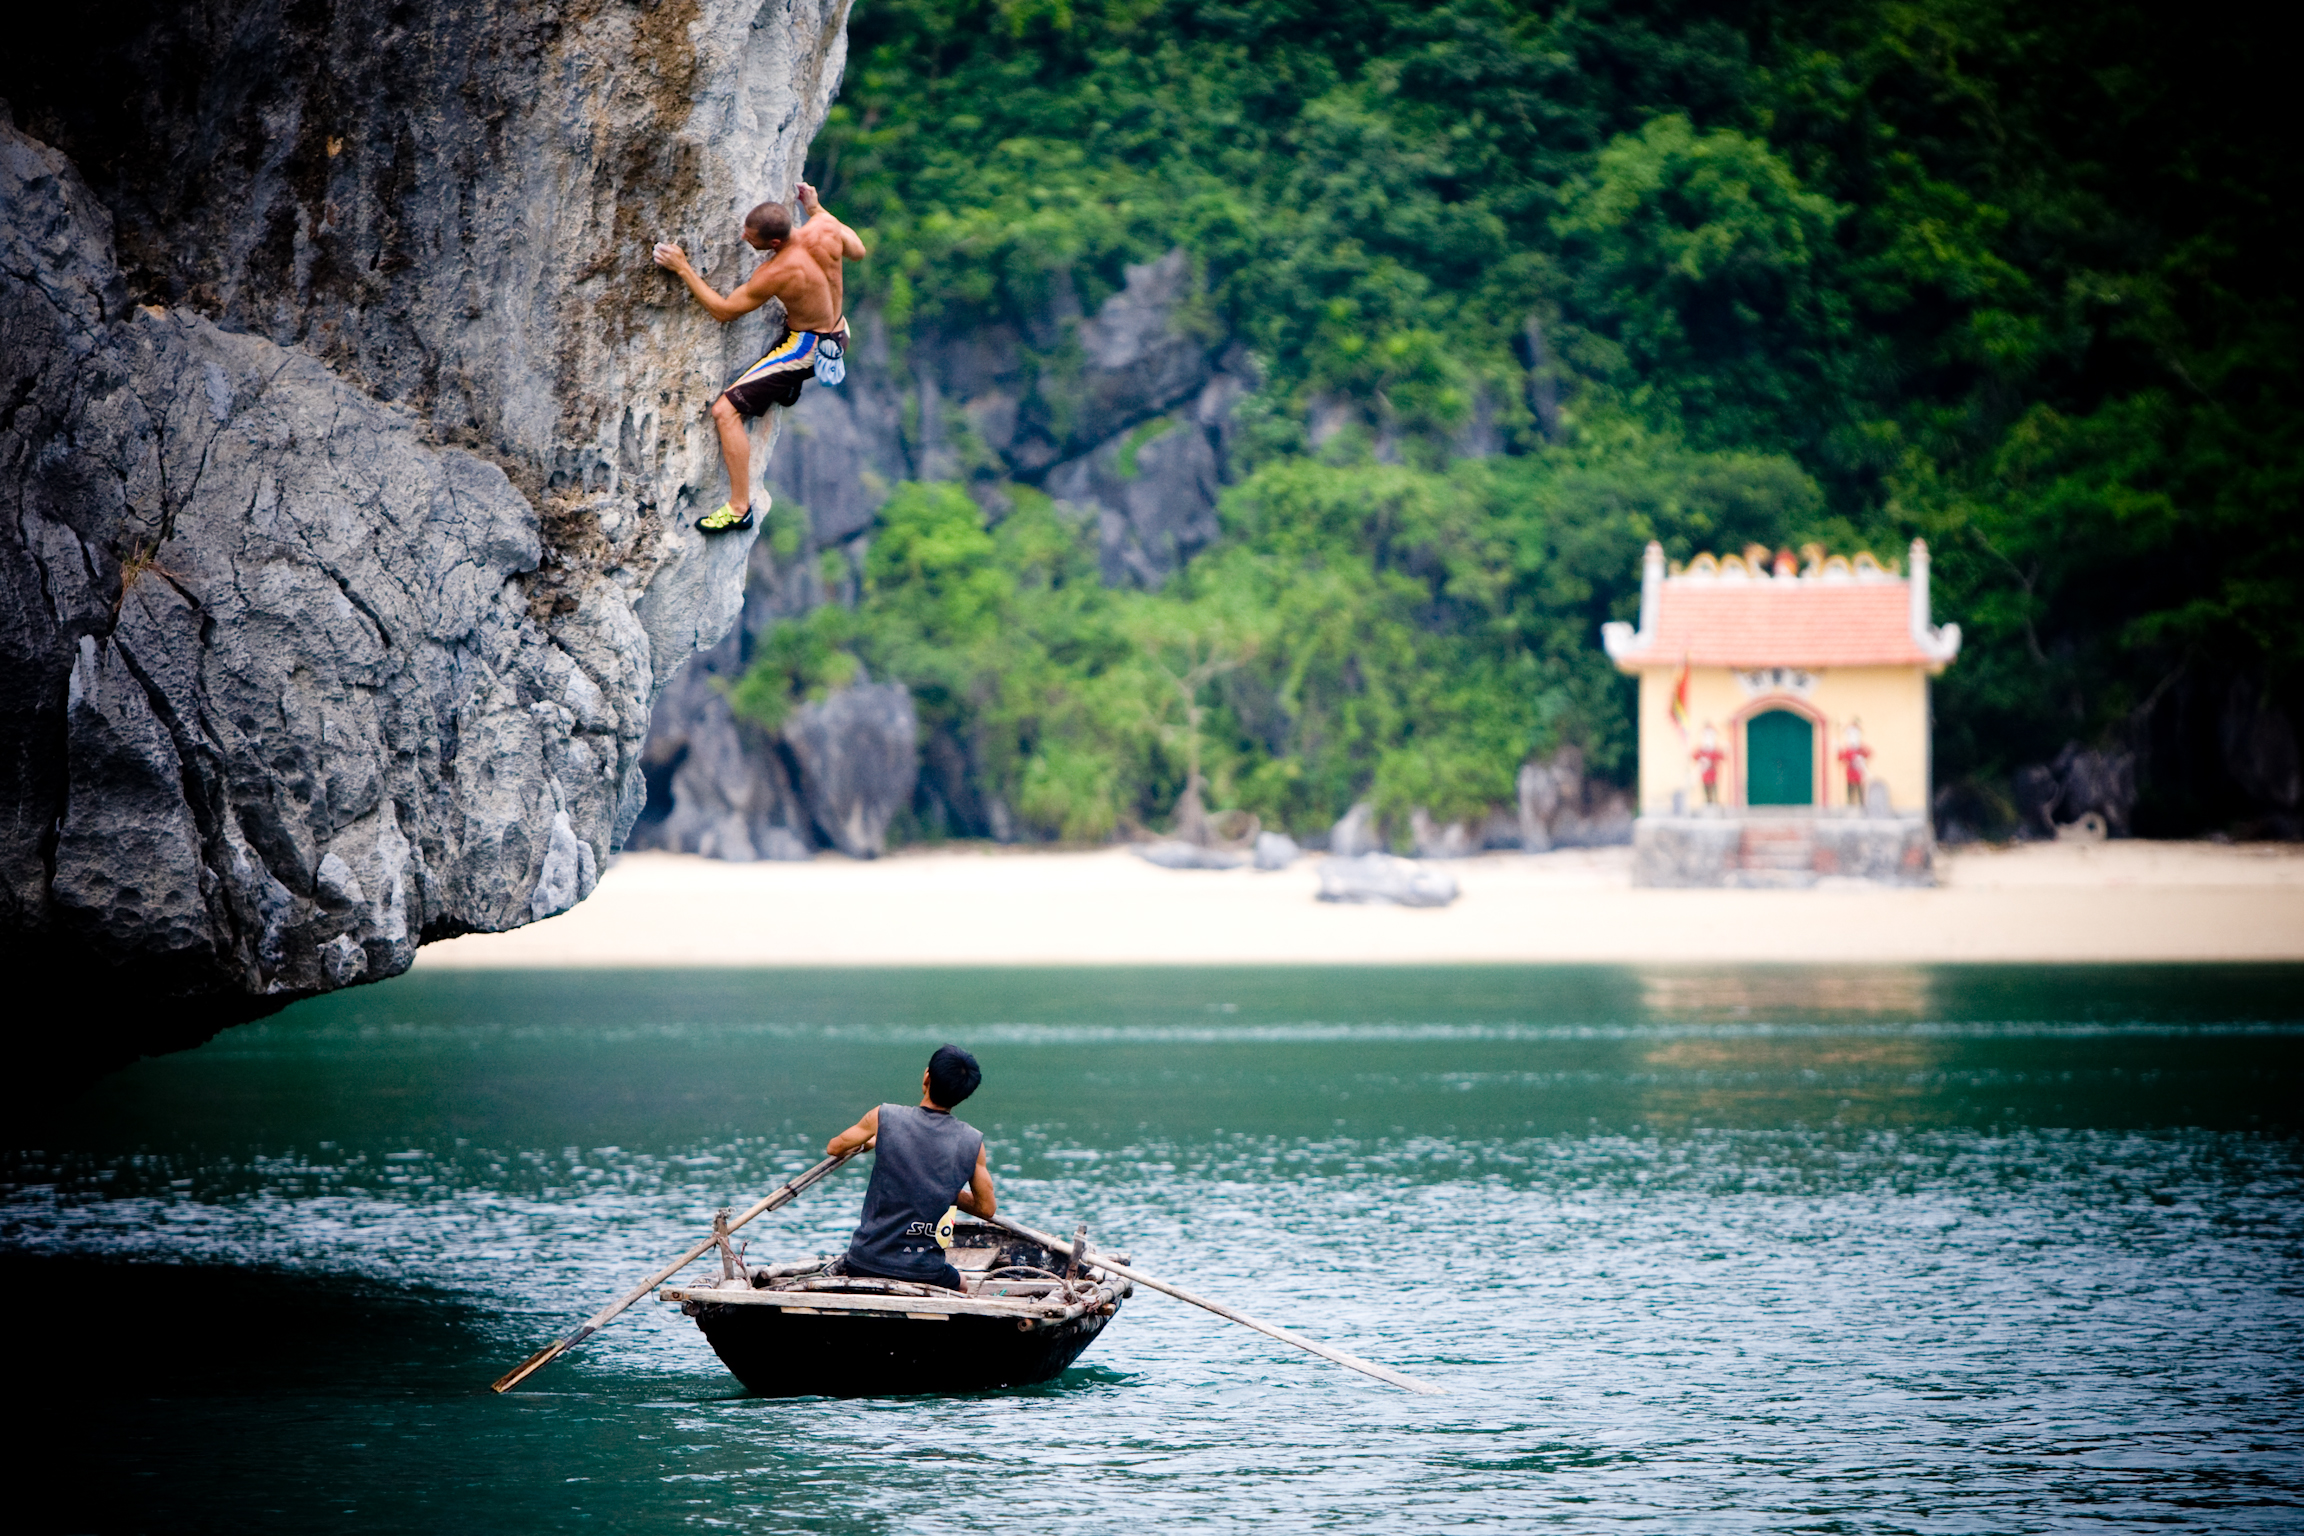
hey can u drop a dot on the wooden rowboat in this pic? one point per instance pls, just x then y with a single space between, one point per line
795 1330
1030 1304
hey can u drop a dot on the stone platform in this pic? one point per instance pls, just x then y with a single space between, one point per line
1782 849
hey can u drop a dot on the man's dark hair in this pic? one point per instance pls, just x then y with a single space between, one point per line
952 1075
770 221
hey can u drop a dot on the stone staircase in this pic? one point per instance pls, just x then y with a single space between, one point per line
1781 849
1776 852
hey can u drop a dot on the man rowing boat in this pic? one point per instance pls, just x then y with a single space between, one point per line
930 1166
804 271
926 1164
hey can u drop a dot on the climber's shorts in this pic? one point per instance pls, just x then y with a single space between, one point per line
791 362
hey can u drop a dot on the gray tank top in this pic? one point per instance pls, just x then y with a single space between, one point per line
923 1158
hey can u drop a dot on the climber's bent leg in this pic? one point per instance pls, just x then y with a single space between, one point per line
736 452
774 380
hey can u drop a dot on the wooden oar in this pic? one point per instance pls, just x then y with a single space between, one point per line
607 1314
1126 1272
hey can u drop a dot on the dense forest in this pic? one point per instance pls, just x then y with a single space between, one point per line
1526 285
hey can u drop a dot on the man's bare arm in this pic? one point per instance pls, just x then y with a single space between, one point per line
862 1134
851 247
748 296
977 1199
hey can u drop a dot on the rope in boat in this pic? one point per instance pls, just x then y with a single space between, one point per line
1075 1292
1070 1291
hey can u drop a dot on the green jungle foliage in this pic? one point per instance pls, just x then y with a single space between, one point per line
2016 277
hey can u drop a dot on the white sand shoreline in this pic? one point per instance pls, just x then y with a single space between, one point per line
2039 903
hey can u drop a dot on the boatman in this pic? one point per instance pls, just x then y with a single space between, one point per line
926 1165
803 270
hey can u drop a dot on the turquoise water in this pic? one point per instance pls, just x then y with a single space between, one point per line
1837 1250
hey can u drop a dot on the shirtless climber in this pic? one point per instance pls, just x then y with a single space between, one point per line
804 271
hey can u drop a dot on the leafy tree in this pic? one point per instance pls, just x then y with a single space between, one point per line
2011 275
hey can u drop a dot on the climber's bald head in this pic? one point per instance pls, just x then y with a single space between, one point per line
769 224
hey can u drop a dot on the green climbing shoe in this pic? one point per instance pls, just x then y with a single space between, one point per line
726 520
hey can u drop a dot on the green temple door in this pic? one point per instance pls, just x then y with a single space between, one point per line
1780 754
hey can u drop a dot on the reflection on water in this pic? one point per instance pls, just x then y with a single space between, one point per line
1864 1249
1724 992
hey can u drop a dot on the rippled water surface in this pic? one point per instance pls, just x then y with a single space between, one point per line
1831 1250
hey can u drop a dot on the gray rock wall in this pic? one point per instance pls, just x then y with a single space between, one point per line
858 754
344 498
1154 495
719 786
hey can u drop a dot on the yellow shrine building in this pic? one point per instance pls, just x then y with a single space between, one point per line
1801 683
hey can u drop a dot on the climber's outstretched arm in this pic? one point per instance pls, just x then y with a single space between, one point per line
748 296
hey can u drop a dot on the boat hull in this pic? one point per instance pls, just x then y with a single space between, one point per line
778 1353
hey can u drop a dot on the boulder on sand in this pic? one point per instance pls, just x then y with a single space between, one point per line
2050 796
1436 841
1175 853
1561 808
1275 850
1355 832
1382 877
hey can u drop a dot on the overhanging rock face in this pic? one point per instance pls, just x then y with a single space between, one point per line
349 450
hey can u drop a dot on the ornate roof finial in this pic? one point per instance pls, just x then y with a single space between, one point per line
1938 644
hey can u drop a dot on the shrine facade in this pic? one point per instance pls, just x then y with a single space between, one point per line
1784 725
1808 674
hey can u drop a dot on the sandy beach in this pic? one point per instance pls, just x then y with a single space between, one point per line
2122 901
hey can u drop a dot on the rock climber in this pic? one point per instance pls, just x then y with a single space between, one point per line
803 270
928 1166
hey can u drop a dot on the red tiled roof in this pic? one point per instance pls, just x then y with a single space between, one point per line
1783 624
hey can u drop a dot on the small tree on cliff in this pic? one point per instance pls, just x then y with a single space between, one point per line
1188 646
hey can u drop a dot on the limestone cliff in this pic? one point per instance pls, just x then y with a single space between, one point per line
349 450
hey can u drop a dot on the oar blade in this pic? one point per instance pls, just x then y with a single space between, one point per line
528 1367
607 1314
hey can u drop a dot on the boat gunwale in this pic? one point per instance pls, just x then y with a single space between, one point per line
806 1302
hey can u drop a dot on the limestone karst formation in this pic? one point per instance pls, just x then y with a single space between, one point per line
349 446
